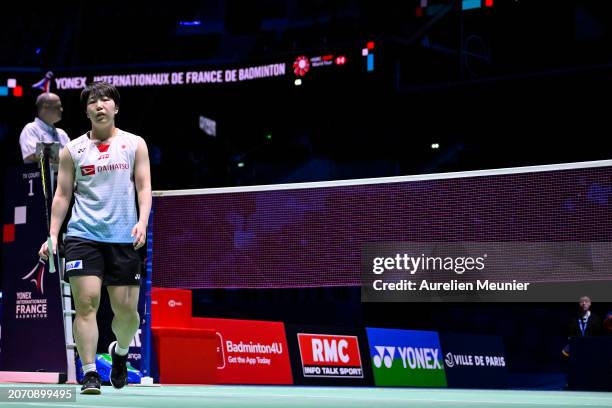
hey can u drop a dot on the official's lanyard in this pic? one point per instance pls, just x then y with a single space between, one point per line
582 323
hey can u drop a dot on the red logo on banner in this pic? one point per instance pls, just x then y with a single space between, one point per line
327 355
301 65
170 307
249 352
89 170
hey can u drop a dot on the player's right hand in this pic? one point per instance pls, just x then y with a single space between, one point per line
44 249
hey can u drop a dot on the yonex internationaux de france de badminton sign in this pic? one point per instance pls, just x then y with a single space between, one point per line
175 78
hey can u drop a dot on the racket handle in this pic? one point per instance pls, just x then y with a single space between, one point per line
51 262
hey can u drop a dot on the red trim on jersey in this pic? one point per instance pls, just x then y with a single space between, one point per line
103 148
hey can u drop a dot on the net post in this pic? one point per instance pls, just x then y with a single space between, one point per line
146 368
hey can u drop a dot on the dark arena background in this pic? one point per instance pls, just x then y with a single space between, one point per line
286 136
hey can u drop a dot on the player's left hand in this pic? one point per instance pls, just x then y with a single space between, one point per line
139 233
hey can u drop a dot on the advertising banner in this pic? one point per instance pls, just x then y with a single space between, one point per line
474 361
329 355
249 351
32 319
406 358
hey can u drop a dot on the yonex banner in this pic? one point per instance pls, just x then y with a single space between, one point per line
328 356
32 320
406 358
474 361
249 351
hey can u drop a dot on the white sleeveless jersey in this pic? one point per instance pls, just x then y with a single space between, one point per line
105 195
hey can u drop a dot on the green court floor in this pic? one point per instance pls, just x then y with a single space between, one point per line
319 397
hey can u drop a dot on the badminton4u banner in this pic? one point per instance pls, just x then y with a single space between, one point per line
249 351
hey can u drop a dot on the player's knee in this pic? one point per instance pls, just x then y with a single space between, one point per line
125 310
86 305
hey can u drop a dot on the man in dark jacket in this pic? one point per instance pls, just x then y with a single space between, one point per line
585 323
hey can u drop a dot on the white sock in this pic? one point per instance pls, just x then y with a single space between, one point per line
89 367
121 351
